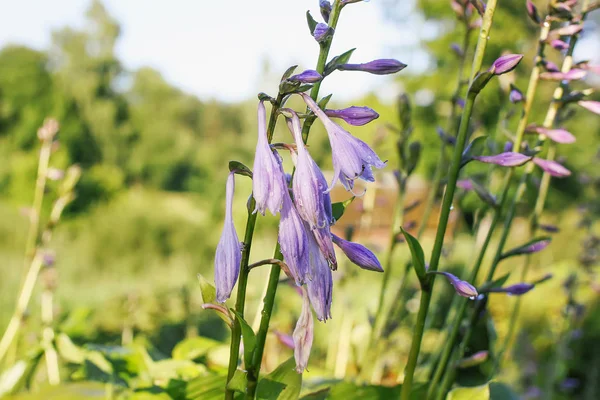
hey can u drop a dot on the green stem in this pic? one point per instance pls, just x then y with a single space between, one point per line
427 289
269 300
240 302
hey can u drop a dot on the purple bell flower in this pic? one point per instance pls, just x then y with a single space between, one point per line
508 159
229 250
308 76
352 158
293 241
358 254
320 287
377 67
268 180
354 115
303 335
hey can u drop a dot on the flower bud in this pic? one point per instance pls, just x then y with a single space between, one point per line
358 254
377 67
515 95
284 339
517 289
572 75
322 32
552 167
457 49
559 44
354 115
505 64
325 8
593 106
557 135
55 174
533 12
308 76
463 288
508 159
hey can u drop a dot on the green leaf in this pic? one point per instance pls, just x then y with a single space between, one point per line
480 81
211 387
337 61
322 394
470 393
284 383
414 154
312 24
193 348
208 291
238 381
501 391
323 102
239 168
248 337
533 246
96 358
338 209
418 258
475 148
68 350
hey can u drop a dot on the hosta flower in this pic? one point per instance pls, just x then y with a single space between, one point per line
352 158
229 249
505 63
325 9
308 76
303 335
558 135
376 67
268 180
552 167
322 32
354 115
320 286
514 290
293 241
507 159
463 288
358 254
593 106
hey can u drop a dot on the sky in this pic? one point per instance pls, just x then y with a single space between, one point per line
218 49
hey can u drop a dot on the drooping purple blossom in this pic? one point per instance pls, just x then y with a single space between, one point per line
229 250
322 32
268 181
383 66
517 289
593 106
463 288
308 76
325 9
352 158
552 167
558 135
508 159
505 63
572 75
358 254
303 335
320 287
293 241
354 115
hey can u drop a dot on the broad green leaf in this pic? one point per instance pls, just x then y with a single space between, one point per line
192 348
238 381
284 383
248 337
68 350
533 246
312 24
322 394
211 387
418 258
470 393
208 291
338 209
501 391
288 72
336 61
323 102
239 168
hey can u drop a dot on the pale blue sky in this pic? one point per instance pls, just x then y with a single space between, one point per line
216 49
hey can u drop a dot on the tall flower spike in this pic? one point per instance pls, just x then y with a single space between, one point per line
229 249
303 335
310 194
320 287
358 254
352 158
293 240
268 180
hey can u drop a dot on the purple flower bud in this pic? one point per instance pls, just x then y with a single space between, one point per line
460 102
464 184
303 335
354 115
293 241
557 135
559 45
508 159
514 290
550 66
358 254
325 8
229 250
572 75
515 95
508 146
322 32
268 181
533 12
552 167
463 288
308 76
548 228
505 64
48 259
377 67
593 106
284 339
352 158
457 49
320 287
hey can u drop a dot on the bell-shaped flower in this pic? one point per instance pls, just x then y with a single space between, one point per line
293 241
352 158
303 335
354 115
229 250
358 254
268 180
320 287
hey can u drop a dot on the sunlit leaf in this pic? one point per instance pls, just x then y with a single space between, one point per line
284 383
248 337
338 209
418 257
470 393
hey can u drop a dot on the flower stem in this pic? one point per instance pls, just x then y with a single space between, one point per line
427 289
